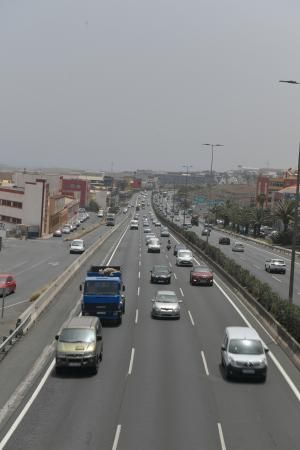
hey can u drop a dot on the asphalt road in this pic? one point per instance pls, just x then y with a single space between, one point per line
160 385
37 262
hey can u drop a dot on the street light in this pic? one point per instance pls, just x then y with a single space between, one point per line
187 167
294 241
212 146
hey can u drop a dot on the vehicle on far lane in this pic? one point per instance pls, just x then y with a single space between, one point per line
7 283
57 233
201 275
178 247
238 247
166 305
77 246
275 265
224 240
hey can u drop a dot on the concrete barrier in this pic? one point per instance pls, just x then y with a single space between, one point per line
39 305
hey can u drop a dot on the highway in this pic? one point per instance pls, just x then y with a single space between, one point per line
160 385
36 262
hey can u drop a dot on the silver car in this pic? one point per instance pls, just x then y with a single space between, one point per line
77 246
154 246
166 304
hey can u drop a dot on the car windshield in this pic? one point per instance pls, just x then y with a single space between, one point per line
77 335
76 244
161 269
185 253
278 261
166 297
94 287
245 347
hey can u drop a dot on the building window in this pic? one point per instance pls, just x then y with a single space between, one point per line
10 203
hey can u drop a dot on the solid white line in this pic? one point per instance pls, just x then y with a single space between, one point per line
272 356
181 291
136 316
191 318
277 279
14 304
117 437
27 406
139 275
175 276
256 267
222 441
117 246
204 363
131 361
138 291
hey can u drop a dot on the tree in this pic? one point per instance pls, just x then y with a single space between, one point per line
285 210
93 206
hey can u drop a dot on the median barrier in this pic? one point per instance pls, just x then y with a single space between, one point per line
288 344
34 310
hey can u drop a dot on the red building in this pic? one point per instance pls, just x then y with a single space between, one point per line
268 186
77 188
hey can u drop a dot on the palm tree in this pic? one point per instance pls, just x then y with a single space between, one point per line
285 210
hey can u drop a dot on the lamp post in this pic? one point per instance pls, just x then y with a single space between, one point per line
294 241
212 146
187 167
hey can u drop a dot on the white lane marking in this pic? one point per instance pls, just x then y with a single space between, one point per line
136 316
15 304
272 356
138 290
140 263
131 361
33 266
204 363
170 264
117 437
139 275
222 441
277 279
246 307
175 276
54 263
191 318
117 246
27 406
256 267
181 292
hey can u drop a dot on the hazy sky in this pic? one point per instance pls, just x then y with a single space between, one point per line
138 84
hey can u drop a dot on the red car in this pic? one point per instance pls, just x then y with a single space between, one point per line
201 275
8 283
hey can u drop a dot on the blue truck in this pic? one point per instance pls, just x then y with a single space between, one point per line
103 293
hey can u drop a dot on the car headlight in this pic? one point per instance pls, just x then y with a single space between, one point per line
89 354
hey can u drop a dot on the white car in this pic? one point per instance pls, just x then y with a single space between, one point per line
243 353
184 258
134 224
100 213
66 229
275 265
154 246
77 246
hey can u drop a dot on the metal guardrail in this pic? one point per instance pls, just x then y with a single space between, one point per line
14 335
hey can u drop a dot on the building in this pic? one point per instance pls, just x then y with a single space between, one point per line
76 188
34 201
266 187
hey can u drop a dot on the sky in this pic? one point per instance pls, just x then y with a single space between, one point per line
135 84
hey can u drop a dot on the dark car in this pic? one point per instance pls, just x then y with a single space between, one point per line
178 247
160 274
224 241
201 275
205 232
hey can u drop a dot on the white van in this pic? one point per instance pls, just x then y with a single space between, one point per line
100 213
